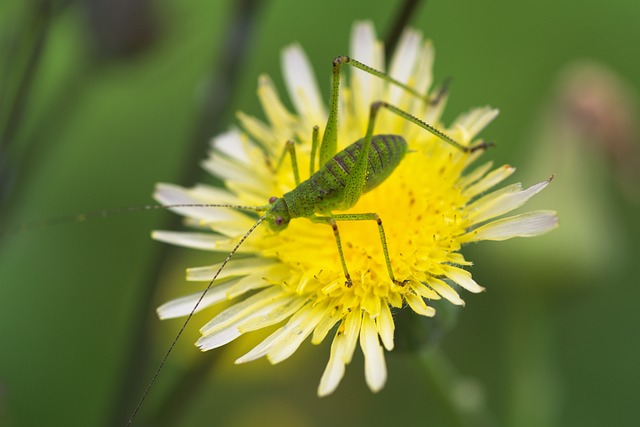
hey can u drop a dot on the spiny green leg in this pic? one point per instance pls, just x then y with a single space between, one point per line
380 74
354 185
331 136
332 222
315 136
329 145
383 239
290 147
435 100
481 146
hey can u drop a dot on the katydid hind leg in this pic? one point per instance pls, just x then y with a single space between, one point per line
329 145
434 131
354 186
330 137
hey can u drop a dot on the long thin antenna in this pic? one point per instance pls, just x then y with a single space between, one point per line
184 325
40 224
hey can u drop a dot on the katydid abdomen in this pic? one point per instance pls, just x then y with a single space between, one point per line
324 190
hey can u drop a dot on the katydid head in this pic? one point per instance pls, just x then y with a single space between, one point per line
278 215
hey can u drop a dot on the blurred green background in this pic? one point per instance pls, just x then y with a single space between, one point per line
100 100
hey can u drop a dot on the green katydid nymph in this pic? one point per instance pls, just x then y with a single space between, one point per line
345 176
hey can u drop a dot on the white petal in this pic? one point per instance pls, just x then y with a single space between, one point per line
525 225
334 371
462 278
268 298
218 339
403 63
446 291
473 176
362 45
231 143
277 114
487 116
492 179
213 194
282 335
276 315
235 267
324 326
375 368
248 283
386 327
168 194
232 170
366 87
217 334
277 273
505 202
418 305
182 306
424 291
351 332
302 85
259 130
474 121
204 241
477 204
264 347
290 342
424 69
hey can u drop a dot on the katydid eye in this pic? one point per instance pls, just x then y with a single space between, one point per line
272 199
279 220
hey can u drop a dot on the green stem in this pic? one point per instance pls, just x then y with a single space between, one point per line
533 380
461 400
41 20
225 78
404 15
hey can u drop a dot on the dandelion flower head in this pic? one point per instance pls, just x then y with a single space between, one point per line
432 204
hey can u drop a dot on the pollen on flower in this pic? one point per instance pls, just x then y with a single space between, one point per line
432 204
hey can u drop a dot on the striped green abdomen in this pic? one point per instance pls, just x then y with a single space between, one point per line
324 190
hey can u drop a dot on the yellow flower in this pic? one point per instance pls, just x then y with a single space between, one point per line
431 205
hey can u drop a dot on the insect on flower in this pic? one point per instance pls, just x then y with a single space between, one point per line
377 225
